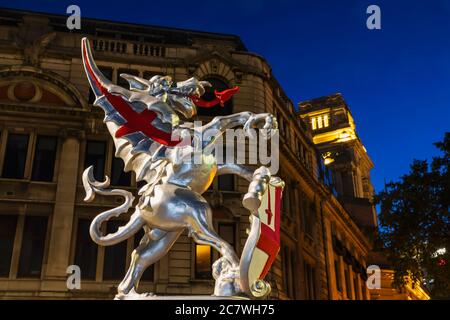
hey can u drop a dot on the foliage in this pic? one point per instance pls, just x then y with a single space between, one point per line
415 223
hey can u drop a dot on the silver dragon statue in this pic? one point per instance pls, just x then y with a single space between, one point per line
178 164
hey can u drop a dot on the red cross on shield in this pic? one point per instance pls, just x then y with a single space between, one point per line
263 243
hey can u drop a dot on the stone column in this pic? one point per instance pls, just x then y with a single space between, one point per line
62 219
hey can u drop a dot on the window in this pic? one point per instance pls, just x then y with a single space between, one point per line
108 73
308 217
209 95
95 156
44 159
118 176
356 286
226 232
115 256
347 282
326 121
33 244
148 274
363 289
7 234
288 271
310 281
86 250
204 254
337 271
285 200
149 74
203 261
121 81
313 123
15 156
319 122
226 182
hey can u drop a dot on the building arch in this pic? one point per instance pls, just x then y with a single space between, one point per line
31 85
220 84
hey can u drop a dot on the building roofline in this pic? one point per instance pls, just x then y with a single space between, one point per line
225 36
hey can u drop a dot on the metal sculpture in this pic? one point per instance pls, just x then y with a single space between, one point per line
154 143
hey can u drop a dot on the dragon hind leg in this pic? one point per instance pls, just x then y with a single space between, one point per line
202 231
147 253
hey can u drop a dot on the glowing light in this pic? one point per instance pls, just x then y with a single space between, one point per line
439 252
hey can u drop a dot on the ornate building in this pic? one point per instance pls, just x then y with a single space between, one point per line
50 133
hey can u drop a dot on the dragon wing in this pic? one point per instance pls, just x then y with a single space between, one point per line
141 125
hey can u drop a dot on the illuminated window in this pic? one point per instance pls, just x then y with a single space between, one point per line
319 122
313 123
326 121
203 261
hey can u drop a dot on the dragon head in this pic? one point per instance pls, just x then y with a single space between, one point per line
150 108
180 96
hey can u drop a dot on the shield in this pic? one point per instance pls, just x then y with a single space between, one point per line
263 243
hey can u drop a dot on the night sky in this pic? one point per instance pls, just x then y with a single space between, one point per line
396 80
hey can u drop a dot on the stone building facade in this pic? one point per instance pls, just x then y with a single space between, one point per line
49 133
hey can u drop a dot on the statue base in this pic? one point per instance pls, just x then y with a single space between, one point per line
147 296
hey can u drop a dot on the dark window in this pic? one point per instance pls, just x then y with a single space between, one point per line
209 95
363 289
347 282
226 182
107 72
148 274
203 261
149 74
115 256
118 176
7 234
285 208
310 276
33 244
288 271
308 217
356 286
121 81
227 233
337 271
95 156
15 156
44 159
86 250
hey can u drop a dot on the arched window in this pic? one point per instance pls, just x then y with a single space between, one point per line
217 110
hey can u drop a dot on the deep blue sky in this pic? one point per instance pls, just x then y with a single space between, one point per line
396 80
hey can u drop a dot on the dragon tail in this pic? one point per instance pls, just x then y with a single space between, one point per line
136 222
